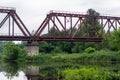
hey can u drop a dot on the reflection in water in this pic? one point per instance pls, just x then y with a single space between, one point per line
10 69
37 73
21 76
23 71
32 73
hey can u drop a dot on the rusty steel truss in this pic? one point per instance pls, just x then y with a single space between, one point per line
72 25
62 26
13 19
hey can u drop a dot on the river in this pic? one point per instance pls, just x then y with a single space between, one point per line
36 71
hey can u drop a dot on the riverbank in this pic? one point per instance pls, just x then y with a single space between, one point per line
98 56
64 66
65 71
77 66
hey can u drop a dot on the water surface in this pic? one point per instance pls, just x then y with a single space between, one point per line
36 71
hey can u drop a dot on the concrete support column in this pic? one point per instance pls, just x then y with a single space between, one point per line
32 48
32 73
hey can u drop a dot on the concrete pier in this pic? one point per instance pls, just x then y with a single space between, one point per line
32 73
32 48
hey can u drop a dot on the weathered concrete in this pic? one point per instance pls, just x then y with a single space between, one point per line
32 48
32 73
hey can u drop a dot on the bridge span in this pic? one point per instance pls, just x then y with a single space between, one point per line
66 26
71 23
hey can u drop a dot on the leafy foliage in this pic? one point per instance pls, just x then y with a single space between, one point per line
73 47
92 22
90 50
88 74
114 40
1 46
12 51
111 41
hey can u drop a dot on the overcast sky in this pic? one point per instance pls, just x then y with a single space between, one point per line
33 12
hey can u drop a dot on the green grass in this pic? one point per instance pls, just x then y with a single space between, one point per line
69 66
98 56
66 66
88 74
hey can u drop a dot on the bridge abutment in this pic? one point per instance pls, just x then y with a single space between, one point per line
32 48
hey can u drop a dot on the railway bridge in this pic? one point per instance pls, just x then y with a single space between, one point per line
74 25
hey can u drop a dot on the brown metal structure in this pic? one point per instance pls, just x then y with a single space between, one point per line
13 18
60 26
73 25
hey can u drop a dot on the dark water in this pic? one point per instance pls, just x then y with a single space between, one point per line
37 71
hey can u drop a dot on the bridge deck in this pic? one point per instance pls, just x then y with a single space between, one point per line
23 38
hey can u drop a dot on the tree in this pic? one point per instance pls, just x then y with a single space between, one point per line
114 40
12 52
1 46
46 47
92 22
93 27
57 49
53 32
69 47
78 47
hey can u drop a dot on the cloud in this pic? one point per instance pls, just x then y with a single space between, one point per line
33 12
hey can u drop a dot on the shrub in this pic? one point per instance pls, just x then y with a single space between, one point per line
90 50
57 50
87 74
12 51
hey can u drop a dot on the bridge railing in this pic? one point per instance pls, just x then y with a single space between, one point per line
105 16
7 8
66 12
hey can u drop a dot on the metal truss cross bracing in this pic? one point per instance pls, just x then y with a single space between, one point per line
59 26
67 26
10 22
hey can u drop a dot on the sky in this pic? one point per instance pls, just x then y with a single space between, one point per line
33 12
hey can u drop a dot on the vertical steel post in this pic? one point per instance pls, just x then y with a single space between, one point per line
108 26
12 27
116 24
65 22
101 26
48 27
71 26
54 26
9 26
80 29
65 26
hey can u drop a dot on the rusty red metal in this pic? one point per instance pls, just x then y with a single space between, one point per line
59 21
71 24
11 15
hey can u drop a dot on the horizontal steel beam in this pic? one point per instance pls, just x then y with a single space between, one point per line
14 38
24 38
6 9
81 15
87 39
